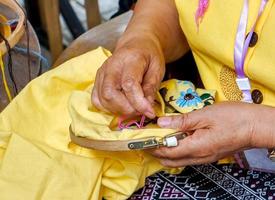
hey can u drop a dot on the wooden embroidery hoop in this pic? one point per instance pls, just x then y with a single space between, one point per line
16 35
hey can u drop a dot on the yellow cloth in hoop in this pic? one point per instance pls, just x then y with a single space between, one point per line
37 160
89 122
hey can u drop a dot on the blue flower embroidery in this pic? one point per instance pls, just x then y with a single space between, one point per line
188 98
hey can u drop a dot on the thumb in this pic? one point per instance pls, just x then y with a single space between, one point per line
185 122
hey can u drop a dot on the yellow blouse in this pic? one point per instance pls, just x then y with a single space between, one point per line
213 47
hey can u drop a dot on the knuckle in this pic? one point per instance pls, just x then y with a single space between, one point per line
134 53
107 93
112 64
128 84
166 153
150 87
183 120
94 98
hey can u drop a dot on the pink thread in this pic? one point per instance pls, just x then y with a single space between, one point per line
202 8
122 126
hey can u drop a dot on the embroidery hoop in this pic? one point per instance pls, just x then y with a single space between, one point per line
17 34
170 140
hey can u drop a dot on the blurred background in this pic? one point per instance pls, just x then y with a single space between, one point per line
74 18
53 26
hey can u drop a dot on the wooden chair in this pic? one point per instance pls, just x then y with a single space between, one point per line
105 35
49 10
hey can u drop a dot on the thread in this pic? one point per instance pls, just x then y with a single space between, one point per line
202 8
122 126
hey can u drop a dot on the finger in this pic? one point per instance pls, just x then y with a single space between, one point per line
187 161
95 97
96 102
131 85
112 97
185 122
110 94
197 145
151 81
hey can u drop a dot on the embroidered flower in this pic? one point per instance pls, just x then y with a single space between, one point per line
188 98
202 8
187 83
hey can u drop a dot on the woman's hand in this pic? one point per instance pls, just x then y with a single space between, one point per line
218 131
127 82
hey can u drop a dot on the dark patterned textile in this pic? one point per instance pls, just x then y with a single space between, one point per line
211 182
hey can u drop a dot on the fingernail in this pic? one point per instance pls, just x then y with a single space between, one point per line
150 114
164 121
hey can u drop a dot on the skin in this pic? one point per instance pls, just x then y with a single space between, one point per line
235 126
127 82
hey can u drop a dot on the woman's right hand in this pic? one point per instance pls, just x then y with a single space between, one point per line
126 84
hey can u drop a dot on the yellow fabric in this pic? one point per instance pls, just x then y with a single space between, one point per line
213 46
37 160
89 122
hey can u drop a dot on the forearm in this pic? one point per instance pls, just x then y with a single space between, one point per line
157 20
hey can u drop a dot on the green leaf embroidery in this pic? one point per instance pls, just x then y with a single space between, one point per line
207 103
205 96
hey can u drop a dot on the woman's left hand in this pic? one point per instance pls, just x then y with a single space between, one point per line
217 131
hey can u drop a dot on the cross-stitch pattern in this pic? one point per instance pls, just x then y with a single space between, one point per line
213 182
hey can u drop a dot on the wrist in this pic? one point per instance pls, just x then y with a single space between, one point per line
142 43
139 39
264 127
163 29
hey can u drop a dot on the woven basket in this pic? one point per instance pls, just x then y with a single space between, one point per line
12 37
